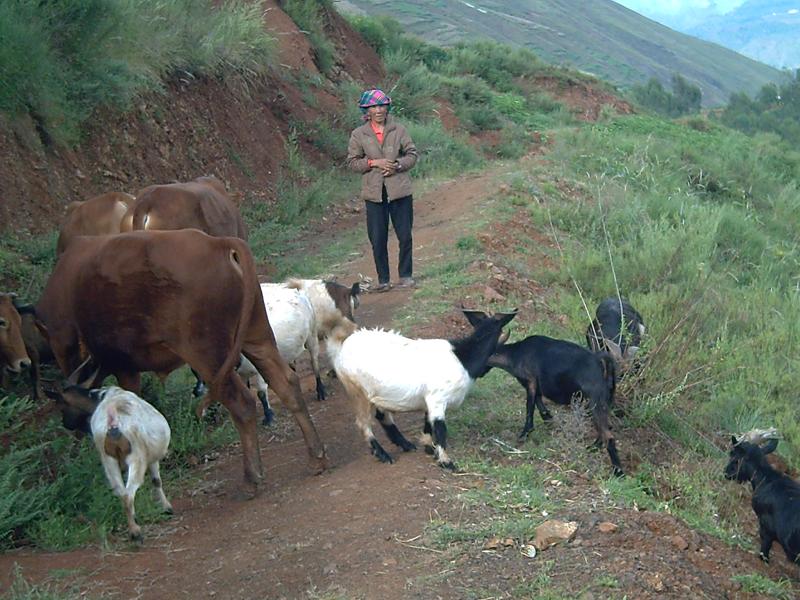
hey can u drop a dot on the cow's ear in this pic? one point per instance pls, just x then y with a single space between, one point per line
770 446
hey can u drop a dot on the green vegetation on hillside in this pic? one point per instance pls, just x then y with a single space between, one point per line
775 109
684 99
597 36
61 60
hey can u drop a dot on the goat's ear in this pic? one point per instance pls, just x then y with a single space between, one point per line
630 352
770 446
475 317
356 289
614 349
506 318
734 441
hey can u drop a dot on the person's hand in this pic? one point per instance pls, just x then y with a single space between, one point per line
383 164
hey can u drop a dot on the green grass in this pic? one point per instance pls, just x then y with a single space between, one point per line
60 61
758 584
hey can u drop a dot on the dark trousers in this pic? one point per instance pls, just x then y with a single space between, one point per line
401 213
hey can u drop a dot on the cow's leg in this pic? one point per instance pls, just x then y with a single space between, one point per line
199 388
130 381
286 384
231 392
393 433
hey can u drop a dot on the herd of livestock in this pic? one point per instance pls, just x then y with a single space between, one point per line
166 278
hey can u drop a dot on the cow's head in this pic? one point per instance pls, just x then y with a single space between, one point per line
12 346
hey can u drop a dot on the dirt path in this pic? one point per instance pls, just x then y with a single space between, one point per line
345 530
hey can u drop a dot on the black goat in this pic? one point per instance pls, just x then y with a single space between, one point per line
776 497
618 329
558 369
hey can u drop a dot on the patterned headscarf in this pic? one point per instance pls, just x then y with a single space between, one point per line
374 97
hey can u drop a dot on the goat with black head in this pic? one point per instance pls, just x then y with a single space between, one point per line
617 329
776 497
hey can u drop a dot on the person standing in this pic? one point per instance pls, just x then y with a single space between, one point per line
383 152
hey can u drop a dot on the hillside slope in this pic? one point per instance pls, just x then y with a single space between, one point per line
198 127
599 36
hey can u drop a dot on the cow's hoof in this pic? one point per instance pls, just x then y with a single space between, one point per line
430 450
269 418
449 465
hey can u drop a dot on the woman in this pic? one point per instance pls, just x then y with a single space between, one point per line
382 151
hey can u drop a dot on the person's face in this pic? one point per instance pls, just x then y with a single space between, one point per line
378 113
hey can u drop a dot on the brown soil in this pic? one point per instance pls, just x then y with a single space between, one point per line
356 530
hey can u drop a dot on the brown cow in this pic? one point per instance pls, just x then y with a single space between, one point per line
200 204
154 300
97 216
13 356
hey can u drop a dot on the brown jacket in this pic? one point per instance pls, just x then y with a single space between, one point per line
397 145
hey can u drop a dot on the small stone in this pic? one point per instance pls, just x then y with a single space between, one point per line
552 532
607 527
679 542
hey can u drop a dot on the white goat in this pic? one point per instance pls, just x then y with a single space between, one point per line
128 433
385 372
301 312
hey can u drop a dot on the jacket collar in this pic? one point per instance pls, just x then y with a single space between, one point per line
389 126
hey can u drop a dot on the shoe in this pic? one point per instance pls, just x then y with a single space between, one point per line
381 287
407 282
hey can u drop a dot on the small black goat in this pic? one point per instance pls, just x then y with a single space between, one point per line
558 369
618 329
776 497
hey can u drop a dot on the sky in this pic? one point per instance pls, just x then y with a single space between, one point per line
680 8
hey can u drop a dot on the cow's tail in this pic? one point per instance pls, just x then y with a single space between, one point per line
241 261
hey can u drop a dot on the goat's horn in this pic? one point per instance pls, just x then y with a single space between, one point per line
73 377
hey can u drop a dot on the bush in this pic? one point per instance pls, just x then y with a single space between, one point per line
307 16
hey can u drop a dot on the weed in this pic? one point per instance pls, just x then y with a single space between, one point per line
759 584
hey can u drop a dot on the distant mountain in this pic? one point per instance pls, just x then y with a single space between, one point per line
766 30
598 36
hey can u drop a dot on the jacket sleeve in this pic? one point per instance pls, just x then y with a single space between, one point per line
356 157
408 151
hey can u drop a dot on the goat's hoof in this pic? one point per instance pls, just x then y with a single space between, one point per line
168 510
522 437
430 450
321 397
269 417
449 465
137 537
547 416
618 472
763 557
383 456
408 446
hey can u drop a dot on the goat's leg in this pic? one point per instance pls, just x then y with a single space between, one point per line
312 344
603 428
440 444
767 537
426 439
394 434
363 410
155 477
199 388
136 472
262 391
